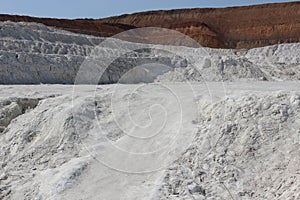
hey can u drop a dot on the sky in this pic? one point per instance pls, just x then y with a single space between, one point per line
104 8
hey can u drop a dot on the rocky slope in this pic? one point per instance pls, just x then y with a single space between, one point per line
246 137
33 53
236 27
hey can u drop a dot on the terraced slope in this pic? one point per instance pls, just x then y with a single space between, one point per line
33 53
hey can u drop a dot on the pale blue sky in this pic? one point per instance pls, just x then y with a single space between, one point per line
104 8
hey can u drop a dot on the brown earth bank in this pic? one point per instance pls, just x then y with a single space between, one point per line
234 27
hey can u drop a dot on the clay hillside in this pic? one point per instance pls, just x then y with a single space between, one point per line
235 27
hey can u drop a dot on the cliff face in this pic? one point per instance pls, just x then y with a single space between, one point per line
236 27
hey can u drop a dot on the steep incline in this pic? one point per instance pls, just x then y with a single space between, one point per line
235 27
